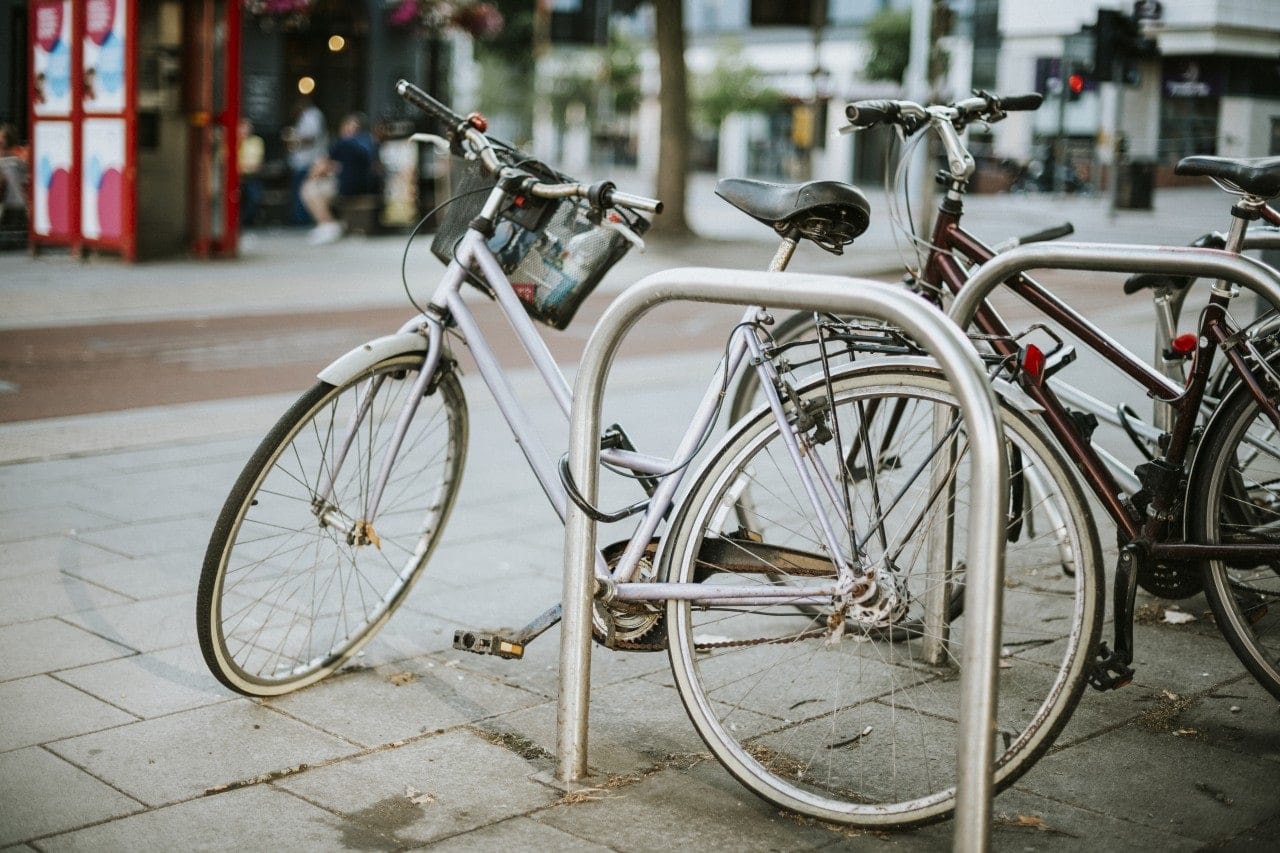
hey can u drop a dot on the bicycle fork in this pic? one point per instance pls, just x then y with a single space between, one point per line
361 531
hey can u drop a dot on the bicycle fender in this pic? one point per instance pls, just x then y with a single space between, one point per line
1003 387
368 354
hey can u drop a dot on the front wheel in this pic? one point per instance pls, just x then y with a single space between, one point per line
298 574
1234 498
855 720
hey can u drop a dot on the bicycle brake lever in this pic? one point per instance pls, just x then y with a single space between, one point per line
431 139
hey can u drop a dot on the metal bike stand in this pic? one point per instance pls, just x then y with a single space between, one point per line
1173 260
988 482
1268 238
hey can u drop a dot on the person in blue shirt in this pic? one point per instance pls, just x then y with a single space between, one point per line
352 168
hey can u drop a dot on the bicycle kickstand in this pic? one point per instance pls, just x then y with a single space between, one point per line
1111 670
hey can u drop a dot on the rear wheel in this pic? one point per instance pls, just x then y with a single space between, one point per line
1234 498
856 720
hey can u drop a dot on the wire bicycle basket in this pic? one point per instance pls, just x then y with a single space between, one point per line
554 251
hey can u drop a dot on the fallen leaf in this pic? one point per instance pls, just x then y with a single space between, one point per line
1027 821
402 678
418 798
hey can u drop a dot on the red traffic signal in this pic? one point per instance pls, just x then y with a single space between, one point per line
1075 85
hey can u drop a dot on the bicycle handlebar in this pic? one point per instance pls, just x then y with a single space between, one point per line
469 132
911 116
430 105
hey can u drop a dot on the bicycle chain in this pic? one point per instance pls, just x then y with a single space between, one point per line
636 646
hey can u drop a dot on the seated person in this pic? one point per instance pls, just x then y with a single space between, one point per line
351 169
13 178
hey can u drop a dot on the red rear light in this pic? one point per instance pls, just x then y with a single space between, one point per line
1033 362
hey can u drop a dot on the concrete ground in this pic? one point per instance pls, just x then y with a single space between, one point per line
114 736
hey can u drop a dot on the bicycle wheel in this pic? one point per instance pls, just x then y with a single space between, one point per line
297 576
1234 498
857 723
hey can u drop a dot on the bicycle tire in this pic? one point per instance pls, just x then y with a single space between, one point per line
290 588
775 712
1234 496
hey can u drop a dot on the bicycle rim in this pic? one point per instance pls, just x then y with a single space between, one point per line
862 728
297 577
1235 498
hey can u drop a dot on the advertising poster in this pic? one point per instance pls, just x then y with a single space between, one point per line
51 183
51 58
104 55
102 181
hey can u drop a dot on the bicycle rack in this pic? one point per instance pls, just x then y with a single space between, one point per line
1174 260
1262 238
989 492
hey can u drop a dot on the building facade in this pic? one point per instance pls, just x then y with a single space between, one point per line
1208 84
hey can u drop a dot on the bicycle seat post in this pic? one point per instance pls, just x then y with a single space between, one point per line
786 249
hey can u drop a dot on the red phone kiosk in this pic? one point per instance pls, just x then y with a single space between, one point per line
133 111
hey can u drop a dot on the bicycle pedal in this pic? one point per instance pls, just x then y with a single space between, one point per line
1108 672
487 643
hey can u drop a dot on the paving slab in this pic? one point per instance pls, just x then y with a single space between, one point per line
256 818
52 553
139 579
431 789
43 795
1172 784
148 625
654 811
1025 822
41 709
634 726
48 645
181 756
391 703
47 593
517 833
153 684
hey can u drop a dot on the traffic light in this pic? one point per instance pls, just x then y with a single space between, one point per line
1118 41
1075 84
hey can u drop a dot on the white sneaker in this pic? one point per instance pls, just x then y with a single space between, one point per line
325 232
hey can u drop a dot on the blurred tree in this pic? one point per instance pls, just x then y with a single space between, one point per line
673 133
733 86
889 34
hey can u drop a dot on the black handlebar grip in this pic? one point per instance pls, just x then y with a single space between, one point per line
1022 103
870 113
428 104
1052 233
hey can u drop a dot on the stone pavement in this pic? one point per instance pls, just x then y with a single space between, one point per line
113 736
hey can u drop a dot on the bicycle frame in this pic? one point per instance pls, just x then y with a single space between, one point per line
448 304
996 271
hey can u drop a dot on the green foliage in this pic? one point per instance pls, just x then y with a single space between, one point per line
889 34
732 86
514 44
623 72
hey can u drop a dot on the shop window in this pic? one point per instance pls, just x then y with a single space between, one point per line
1188 126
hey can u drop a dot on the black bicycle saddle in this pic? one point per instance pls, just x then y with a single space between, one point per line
1258 176
830 213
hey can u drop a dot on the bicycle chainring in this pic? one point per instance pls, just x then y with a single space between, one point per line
630 625
1170 580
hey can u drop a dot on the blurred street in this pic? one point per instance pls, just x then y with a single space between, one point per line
130 397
